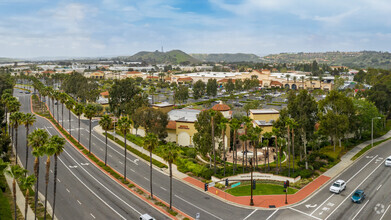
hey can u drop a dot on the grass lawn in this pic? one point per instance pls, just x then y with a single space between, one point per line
261 189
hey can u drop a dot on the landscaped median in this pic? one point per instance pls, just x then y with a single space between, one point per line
260 189
131 186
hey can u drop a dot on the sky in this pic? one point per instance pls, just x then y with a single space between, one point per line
101 28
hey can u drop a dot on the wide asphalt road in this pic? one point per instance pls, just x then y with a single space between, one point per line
83 190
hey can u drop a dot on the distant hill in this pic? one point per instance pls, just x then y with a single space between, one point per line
170 57
363 59
226 57
7 60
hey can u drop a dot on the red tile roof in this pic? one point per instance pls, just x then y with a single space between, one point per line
221 107
105 93
276 83
185 79
171 125
225 80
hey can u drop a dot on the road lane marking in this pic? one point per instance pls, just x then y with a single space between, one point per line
272 214
353 191
146 178
91 190
132 170
92 215
68 190
360 210
163 188
78 202
304 213
250 214
198 208
378 187
58 180
120 162
110 155
322 204
361 169
385 212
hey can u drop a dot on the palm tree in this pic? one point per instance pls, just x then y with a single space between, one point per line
63 98
320 81
235 125
16 119
28 121
36 140
27 182
57 97
257 137
79 109
69 104
150 143
13 105
170 154
105 123
247 124
89 112
5 99
223 127
312 87
54 146
302 80
287 78
244 139
15 172
276 132
212 114
124 126
267 136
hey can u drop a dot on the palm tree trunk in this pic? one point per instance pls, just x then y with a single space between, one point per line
150 178
289 153
106 149
268 157
170 165
89 141
36 171
277 155
26 203
124 154
14 194
293 150
78 137
213 146
233 153
27 150
46 185
224 151
58 119
256 157
62 115
54 184
70 132
16 144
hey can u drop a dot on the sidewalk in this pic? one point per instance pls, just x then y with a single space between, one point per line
263 201
20 199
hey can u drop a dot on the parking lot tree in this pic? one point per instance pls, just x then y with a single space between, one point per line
199 89
238 85
230 86
255 104
203 138
152 120
182 94
126 97
211 87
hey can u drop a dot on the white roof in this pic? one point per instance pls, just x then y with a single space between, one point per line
163 104
264 111
188 115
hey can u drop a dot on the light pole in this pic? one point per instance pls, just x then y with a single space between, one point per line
372 130
251 199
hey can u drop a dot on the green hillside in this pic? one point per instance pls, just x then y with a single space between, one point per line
226 57
363 59
157 57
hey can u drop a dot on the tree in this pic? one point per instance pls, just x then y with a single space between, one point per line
230 86
15 172
150 143
267 136
28 121
304 109
170 154
36 140
27 183
55 146
105 123
238 85
211 87
182 94
255 104
198 89
124 125
244 139
212 114
302 78
69 104
152 120
79 109
16 119
89 112
13 105
63 98
234 125
223 128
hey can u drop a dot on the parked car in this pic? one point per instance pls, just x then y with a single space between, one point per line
338 186
146 217
388 161
27 92
358 196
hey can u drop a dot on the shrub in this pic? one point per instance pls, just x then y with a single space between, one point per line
191 152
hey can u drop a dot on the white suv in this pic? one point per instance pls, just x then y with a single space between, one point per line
388 161
338 186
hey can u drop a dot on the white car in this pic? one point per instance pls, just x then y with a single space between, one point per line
146 217
338 186
388 161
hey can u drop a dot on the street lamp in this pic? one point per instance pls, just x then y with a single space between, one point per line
251 199
372 130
